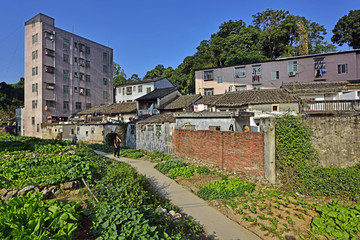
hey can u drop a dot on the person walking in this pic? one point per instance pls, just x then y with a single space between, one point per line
117 142
74 139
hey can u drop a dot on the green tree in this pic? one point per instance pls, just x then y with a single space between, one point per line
158 72
347 30
119 75
134 78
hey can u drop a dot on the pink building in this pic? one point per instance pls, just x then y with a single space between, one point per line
329 67
64 74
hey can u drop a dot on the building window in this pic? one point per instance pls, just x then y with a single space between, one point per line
38 127
34 104
87 64
49 35
128 90
82 91
105 68
319 67
66 43
76 89
87 78
105 94
275 75
240 72
35 54
219 79
49 52
66 105
66 74
292 68
81 47
78 105
240 88
87 92
150 128
75 59
50 103
66 58
34 38
148 89
214 128
275 108
76 74
208 91
105 81
82 62
256 73
50 86
92 129
342 68
49 69
35 71
66 89
82 77
105 57
87 50
132 129
140 88
75 45
134 89
256 86
158 130
209 75
123 91
33 120
88 106
34 87
119 90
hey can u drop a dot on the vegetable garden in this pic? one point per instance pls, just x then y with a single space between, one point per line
127 207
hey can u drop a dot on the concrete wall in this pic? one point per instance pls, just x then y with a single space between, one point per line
305 72
205 123
131 136
150 139
336 139
238 151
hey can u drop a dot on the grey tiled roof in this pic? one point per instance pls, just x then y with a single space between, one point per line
183 101
157 93
208 99
253 97
112 108
159 118
319 87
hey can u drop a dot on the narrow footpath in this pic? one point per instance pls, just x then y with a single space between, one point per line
215 223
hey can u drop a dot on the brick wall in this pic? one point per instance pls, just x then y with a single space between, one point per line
238 151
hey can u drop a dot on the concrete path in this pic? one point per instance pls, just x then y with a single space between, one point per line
217 225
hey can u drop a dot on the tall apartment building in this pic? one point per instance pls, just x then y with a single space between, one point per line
64 74
327 67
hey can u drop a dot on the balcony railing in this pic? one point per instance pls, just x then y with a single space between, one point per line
331 106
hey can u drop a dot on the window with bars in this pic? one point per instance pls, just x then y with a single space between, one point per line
240 72
208 75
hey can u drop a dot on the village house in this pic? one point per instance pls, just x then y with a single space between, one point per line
129 92
181 104
327 67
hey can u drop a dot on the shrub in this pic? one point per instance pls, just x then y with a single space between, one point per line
225 189
165 167
109 138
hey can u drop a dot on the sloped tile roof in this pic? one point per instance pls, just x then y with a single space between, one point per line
159 118
112 108
157 93
183 101
129 107
208 99
252 97
318 87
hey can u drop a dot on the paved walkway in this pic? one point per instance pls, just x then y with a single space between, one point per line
215 224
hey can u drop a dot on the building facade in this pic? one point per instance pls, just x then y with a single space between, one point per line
329 67
64 73
129 92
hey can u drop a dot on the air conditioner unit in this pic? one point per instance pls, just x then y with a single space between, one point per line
292 74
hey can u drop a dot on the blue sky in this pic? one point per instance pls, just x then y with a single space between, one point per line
146 33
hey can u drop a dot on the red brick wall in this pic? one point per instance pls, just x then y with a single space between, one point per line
238 151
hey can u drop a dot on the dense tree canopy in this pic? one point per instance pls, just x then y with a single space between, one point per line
347 30
11 97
